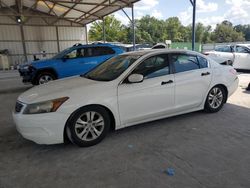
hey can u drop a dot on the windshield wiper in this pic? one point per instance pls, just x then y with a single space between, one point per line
91 78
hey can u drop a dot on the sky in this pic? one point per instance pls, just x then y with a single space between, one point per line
209 12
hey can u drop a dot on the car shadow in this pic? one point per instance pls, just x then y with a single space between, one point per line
242 71
181 123
231 110
15 90
246 91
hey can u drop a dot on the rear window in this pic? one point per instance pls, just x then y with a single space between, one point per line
203 62
99 51
241 49
223 49
184 62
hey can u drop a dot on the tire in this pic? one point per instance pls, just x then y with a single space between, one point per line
215 99
88 126
44 77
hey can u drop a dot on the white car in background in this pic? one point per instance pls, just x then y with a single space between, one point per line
125 90
238 55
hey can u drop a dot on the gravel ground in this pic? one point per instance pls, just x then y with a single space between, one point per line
205 150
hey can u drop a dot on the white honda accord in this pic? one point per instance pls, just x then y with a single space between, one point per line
128 89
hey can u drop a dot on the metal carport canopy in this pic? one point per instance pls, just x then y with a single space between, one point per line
79 12
76 11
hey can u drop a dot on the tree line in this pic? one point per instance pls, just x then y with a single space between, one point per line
152 30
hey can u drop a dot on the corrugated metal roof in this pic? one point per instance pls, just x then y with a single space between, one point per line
77 11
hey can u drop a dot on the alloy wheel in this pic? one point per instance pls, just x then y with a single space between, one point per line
215 98
44 79
89 126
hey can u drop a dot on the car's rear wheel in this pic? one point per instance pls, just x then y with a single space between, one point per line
88 126
45 77
215 99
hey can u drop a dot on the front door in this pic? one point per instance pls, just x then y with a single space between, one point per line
242 58
152 98
72 63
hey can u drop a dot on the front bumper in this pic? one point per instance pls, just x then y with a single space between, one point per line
27 74
46 128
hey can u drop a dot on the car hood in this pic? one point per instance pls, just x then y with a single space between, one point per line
57 89
34 63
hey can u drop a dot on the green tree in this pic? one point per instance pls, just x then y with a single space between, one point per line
114 30
225 32
174 26
184 34
245 29
151 30
199 32
207 35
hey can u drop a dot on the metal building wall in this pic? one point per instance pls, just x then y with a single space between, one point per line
38 37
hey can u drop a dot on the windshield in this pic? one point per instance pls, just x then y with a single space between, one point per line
60 54
112 68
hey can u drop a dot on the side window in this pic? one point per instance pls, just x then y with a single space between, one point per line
99 51
71 55
218 49
223 49
241 49
203 62
80 52
153 67
184 62
107 51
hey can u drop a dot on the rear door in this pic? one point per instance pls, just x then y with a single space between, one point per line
96 55
242 58
192 80
223 52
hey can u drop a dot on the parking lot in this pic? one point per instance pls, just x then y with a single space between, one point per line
205 150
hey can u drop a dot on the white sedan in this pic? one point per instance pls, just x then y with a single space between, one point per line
237 55
128 89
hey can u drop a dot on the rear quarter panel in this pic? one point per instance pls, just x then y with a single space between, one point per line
222 75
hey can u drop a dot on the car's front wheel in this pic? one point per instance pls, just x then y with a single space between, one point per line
215 99
88 126
45 77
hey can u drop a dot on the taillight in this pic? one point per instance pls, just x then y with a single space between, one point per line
233 71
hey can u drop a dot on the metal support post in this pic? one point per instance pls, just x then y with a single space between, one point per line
86 34
103 30
193 2
133 26
23 43
57 39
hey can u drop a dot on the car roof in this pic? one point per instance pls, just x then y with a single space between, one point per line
221 45
93 45
246 45
155 51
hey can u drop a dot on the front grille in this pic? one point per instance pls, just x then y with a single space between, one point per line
18 107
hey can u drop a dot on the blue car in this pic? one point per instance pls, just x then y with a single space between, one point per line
72 61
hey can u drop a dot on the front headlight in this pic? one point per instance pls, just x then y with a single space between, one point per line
44 107
26 67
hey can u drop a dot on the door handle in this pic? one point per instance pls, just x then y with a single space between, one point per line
205 73
166 82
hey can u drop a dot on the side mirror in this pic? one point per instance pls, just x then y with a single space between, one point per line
65 58
135 78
